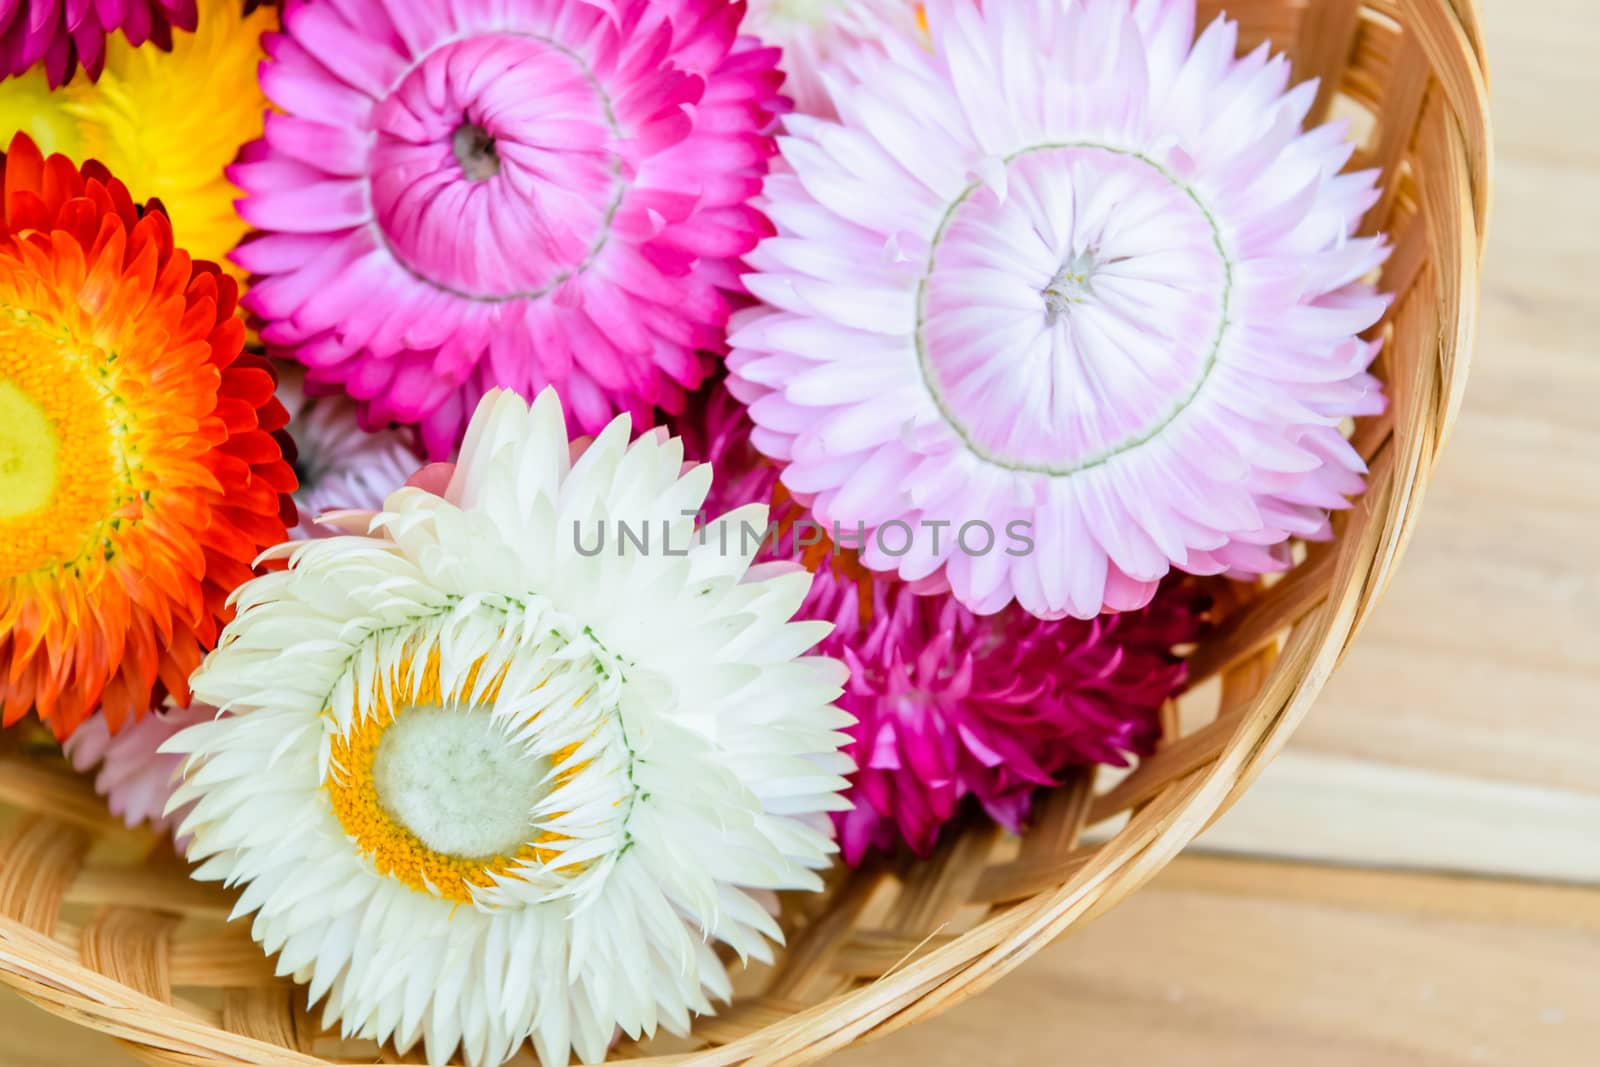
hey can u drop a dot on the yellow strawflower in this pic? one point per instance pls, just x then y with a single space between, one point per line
28 106
166 123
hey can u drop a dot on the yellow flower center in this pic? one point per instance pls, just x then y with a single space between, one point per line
58 462
377 822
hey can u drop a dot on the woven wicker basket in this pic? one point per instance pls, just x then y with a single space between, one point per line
101 925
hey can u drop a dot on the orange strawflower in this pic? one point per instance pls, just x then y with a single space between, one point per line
141 470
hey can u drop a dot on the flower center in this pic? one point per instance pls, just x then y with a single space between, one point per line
474 150
29 450
57 458
500 185
1071 285
449 780
453 778
1075 315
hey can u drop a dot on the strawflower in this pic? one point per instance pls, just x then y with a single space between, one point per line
509 789
59 37
338 464
1069 272
455 197
140 468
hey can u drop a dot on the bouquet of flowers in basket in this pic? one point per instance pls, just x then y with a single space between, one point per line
512 487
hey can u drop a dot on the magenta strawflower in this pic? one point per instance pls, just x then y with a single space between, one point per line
456 196
951 704
136 779
62 35
1073 273
339 464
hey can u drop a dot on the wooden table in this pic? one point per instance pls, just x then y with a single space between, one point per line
1460 738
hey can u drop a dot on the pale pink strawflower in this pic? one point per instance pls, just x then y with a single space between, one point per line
62 35
812 32
457 195
339 464
950 704
136 779
1070 269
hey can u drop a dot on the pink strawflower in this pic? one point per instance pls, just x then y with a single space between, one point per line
339 464
65 34
1067 269
951 704
812 32
457 195
132 774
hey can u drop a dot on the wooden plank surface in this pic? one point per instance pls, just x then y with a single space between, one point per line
1311 806
1484 658
1225 963
1470 701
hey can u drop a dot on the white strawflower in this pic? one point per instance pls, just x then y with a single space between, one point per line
481 786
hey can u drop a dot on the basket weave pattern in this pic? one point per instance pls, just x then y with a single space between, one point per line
100 925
